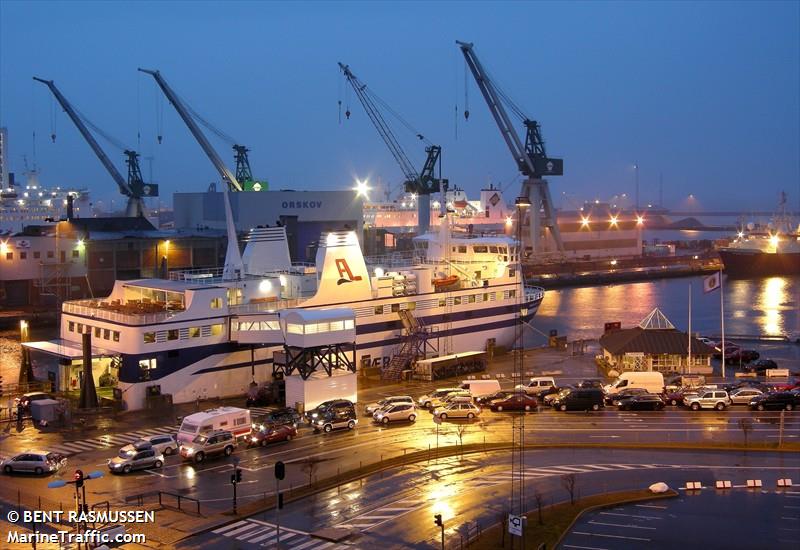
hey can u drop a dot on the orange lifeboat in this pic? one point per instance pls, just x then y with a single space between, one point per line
445 282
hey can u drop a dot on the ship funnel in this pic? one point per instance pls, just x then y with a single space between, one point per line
342 270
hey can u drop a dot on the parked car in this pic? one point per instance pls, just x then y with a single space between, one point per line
591 383
729 348
25 399
518 402
372 408
425 401
762 365
775 401
708 399
450 397
334 405
266 434
743 395
163 444
579 399
741 355
548 399
36 462
213 443
457 409
284 415
496 396
676 397
643 402
335 419
396 411
537 385
131 457
609 398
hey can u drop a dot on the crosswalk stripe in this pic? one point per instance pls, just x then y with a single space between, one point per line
376 517
599 467
311 542
324 546
624 466
227 527
394 509
572 468
260 537
239 531
77 445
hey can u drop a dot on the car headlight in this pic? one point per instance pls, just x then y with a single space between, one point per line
253 439
189 451
314 415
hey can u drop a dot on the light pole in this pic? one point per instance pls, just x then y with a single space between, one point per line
636 173
79 481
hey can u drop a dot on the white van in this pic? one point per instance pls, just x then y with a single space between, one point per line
479 388
537 385
653 382
232 419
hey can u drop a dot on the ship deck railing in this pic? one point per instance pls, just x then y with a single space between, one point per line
213 276
133 313
533 293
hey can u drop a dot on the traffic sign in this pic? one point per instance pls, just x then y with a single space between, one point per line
515 525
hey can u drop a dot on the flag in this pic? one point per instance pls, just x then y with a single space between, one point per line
711 282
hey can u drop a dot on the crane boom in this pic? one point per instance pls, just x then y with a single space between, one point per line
134 188
530 157
224 172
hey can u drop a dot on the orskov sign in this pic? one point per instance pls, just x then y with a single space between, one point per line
301 204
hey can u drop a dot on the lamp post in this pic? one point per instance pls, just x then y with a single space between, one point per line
79 481
636 177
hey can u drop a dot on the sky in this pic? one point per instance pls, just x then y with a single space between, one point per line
703 96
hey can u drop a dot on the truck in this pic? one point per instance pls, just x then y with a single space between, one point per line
652 381
233 419
319 387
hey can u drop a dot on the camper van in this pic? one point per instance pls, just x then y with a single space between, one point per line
232 419
653 382
479 388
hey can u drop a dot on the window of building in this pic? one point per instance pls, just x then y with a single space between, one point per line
51 254
71 326
106 334
9 255
194 332
37 255
23 255
76 253
512 293
173 334
216 330
216 303
149 337
512 272
145 366
115 335
493 249
442 302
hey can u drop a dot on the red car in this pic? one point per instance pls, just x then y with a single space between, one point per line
676 397
266 434
517 402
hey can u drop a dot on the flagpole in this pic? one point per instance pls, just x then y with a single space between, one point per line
722 319
689 369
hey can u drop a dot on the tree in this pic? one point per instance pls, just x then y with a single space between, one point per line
569 481
746 425
461 430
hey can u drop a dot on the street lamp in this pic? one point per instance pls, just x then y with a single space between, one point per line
362 188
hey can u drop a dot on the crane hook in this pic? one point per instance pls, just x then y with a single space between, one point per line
347 114
159 139
53 137
466 114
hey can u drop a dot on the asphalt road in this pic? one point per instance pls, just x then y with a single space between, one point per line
396 510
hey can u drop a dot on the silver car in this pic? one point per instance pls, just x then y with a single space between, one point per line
372 408
742 396
35 462
130 458
398 411
163 444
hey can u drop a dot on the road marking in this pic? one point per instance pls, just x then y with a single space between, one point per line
376 517
584 547
273 526
621 525
629 515
609 536
228 527
607 436
651 506
792 519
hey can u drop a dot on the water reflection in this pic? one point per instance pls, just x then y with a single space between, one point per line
771 299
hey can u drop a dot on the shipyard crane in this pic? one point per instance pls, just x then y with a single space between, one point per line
421 183
531 158
185 114
134 187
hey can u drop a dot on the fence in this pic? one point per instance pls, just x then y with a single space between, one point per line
466 534
180 499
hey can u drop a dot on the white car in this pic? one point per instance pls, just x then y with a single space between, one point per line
537 385
743 396
427 400
163 444
457 409
449 398
708 399
372 408
398 411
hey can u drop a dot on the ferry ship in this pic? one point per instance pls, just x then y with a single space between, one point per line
35 205
210 334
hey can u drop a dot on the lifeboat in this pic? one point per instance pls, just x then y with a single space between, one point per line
445 282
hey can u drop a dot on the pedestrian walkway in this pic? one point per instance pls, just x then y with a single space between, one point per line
545 471
255 533
69 448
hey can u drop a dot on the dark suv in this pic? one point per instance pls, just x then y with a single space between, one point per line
762 365
579 399
775 401
334 405
334 419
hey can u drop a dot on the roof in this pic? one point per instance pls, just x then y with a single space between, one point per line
315 315
112 224
652 342
66 349
656 320
213 413
166 284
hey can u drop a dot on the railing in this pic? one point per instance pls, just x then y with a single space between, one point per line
180 499
133 319
266 307
533 293
212 276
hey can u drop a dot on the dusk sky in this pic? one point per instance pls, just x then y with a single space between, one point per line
706 94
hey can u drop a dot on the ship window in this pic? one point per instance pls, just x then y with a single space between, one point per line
412 306
149 337
480 249
76 253
349 324
194 332
216 330
493 249
145 366
173 334
106 334
80 328
486 297
115 335
454 249
512 272
71 326
37 255
51 254
442 302
457 301
337 325
216 303
293 328
471 299
97 332
395 308
512 293
23 255
462 249
9 255
378 310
